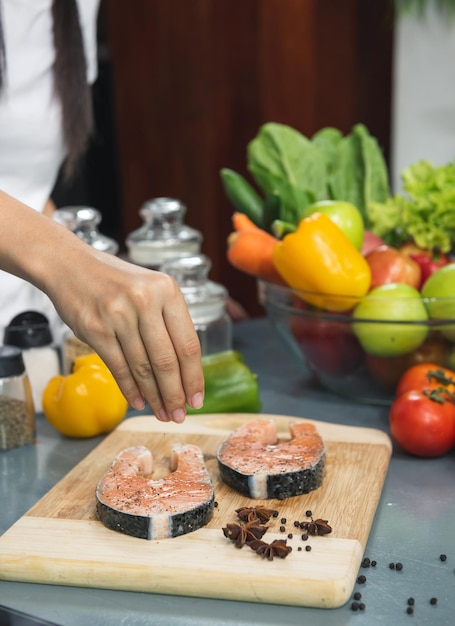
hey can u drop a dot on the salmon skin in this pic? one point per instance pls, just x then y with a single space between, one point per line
129 501
253 462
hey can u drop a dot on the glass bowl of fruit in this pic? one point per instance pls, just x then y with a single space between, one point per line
359 347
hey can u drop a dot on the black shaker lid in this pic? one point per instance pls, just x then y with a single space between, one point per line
29 329
11 361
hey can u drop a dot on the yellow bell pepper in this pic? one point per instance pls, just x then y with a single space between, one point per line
87 402
318 258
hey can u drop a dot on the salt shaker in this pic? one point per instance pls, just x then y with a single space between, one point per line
30 331
206 301
83 221
17 415
163 235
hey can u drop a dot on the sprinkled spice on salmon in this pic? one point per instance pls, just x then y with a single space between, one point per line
255 463
129 501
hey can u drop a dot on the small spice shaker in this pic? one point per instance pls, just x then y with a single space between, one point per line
83 221
163 235
17 415
30 331
206 301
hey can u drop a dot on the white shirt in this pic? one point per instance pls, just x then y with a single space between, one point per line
31 141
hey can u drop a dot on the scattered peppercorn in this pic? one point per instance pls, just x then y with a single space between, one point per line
354 606
433 600
290 535
308 548
443 557
411 601
357 595
299 549
373 563
305 537
215 504
297 523
398 566
282 529
409 610
391 565
283 520
309 513
362 606
365 562
361 579
275 514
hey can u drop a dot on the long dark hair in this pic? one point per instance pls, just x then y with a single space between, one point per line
70 79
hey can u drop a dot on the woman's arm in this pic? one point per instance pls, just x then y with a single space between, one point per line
134 318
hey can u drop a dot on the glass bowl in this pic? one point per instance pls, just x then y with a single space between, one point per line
326 343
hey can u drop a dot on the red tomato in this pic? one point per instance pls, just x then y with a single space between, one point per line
422 426
416 378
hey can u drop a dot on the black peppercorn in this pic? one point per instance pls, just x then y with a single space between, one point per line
308 548
409 610
411 601
366 562
362 606
275 514
309 513
398 566
443 557
299 549
354 606
357 595
373 563
392 565
305 537
282 529
361 579
290 535
283 520
433 600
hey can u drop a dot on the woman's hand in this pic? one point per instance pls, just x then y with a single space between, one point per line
138 322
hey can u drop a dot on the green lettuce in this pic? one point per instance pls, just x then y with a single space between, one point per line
426 215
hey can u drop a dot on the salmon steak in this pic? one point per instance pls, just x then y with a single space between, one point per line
129 501
256 464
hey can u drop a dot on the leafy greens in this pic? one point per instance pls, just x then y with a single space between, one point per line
426 216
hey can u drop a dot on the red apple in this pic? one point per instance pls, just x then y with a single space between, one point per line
389 265
429 261
370 242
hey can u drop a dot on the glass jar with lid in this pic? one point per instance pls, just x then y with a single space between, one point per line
164 235
206 301
17 414
84 222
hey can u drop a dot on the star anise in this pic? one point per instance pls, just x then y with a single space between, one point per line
243 533
261 513
278 548
316 527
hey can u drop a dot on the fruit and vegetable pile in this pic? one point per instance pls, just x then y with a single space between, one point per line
319 218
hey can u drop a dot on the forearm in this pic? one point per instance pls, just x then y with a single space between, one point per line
32 246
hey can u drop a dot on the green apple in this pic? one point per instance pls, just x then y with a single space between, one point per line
391 320
439 294
345 215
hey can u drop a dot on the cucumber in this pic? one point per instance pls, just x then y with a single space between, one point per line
243 196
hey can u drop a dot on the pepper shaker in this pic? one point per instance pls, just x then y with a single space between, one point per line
17 415
30 331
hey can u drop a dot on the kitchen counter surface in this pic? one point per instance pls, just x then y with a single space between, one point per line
413 523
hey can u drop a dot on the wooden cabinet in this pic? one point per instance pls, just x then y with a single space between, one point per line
194 80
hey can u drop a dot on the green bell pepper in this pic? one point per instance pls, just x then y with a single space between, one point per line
230 385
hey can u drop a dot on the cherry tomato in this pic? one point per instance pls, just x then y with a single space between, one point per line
416 377
421 425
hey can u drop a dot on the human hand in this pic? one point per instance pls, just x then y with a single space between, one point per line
138 322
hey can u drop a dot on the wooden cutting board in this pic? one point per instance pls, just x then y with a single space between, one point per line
60 541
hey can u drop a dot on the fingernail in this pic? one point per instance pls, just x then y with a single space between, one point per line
178 416
163 416
138 403
197 401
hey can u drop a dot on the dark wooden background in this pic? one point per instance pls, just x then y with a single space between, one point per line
191 82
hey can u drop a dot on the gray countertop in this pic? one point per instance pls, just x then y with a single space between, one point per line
414 523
